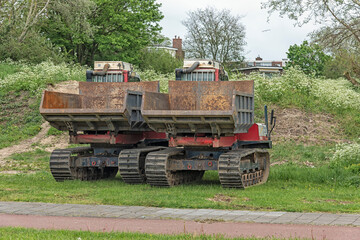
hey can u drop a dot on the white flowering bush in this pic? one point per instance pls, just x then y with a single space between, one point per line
152 75
336 93
346 155
34 78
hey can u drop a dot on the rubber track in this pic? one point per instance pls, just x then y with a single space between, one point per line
132 164
60 161
230 174
158 173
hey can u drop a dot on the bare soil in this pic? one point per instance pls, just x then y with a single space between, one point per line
221 198
41 140
25 145
307 128
65 87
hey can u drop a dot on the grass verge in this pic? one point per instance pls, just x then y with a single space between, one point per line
21 86
280 193
302 181
24 233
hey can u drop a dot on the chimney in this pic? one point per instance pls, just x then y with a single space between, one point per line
177 43
258 58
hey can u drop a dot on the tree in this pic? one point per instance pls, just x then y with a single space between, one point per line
311 59
89 30
159 60
69 28
18 17
341 17
82 30
124 28
214 34
20 37
341 33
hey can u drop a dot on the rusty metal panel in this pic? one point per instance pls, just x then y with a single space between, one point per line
116 88
186 95
56 100
75 112
217 108
104 102
221 87
156 101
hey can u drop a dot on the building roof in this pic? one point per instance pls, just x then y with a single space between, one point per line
260 68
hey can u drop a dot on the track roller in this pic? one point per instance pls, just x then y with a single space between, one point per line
233 175
132 164
62 166
158 173
61 162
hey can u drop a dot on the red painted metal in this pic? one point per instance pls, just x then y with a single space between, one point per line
154 135
251 135
116 139
216 75
227 141
125 75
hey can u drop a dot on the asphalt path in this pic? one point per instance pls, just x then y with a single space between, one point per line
228 229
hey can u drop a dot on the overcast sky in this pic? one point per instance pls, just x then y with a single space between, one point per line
270 44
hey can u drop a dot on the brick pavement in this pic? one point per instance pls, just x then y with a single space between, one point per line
153 213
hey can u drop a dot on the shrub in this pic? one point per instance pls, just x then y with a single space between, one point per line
152 75
347 156
159 60
34 78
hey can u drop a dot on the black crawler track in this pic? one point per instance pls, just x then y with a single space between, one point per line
132 164
62 166
158 173
232 176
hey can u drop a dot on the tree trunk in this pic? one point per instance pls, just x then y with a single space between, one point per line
352 80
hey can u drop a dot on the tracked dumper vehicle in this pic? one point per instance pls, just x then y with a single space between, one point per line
204 123
105 114
210 126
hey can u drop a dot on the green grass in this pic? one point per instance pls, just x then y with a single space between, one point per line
280 193
313 155
21 86
7 69
288 189
23 233
19 117
28 161
306 182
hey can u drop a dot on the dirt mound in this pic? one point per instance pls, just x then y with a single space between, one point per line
25 145
65 87
308 128
41 140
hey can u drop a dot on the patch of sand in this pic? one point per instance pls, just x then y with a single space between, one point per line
308 128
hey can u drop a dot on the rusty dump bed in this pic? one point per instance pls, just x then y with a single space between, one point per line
218 108
109 106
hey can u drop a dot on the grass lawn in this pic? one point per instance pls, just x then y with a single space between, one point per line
305 183
23 233
278 194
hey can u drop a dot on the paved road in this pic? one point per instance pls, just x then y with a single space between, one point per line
135 212
107 218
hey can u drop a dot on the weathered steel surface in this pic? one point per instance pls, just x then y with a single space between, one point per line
156 101
98 107
115 88
56 100
201 107
185 95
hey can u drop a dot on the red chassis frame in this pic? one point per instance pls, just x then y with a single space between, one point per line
227 141
130 138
